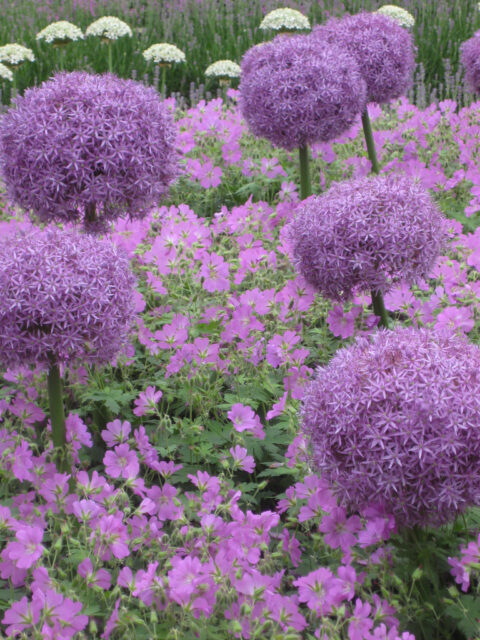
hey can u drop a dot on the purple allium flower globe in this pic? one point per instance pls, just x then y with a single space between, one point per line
395 419
65 296
383 49
470 58
367 234
83 142
297 90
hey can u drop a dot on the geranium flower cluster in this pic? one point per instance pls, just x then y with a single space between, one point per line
366 235
393 419
80 141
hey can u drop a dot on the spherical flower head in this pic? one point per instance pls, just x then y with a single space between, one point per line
367 234
13 55
109 28
80 141
299 90
66 296
164 52
382 48
400 15
285 20
61 32
470 58
5 73
223 69
395 419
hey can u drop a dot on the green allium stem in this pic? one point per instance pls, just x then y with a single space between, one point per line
367 130
305 181
61 53
379 309
57 416
14 86
164 78
110 57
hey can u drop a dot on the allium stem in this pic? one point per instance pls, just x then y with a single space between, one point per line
90 213
367 130
305 181
379 309
57 416
110 56
14 87
164 78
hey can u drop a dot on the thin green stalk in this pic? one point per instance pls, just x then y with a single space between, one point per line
14 87
367 130
379 309
57 416
110 57
164 79
305 180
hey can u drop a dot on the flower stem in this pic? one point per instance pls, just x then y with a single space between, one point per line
90 213
367 131
57 416
14 88
379 309
164 78
305 181
110 57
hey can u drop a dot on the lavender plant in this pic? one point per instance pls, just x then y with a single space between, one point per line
86 148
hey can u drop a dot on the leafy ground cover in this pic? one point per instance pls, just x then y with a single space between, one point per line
196 512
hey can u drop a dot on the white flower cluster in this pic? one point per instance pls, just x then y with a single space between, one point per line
163 52
61 31
223 69
15 54
285 20
5 72
402 16
109 27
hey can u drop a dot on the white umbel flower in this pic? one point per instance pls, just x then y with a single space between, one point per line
60 32
13 55
402 16
109 28
163 52
285 20
5 73
223 69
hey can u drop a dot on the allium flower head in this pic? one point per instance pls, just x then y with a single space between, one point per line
64 296
470 58
367 234
299 90
60 32
395 419
223 69
5 73
13 55
80 140
285 19
400 15
108 28
382 48
164 52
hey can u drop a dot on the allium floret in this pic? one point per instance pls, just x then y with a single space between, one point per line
298 90
13 55
109 28
5 73
285 19
80 141
60 32
382 48
164 52
400 15
223 69
395 419
367 234
65 296
470 58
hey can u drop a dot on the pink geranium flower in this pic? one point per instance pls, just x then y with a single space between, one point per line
116 432
21 616
122 462
147 401
27 550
